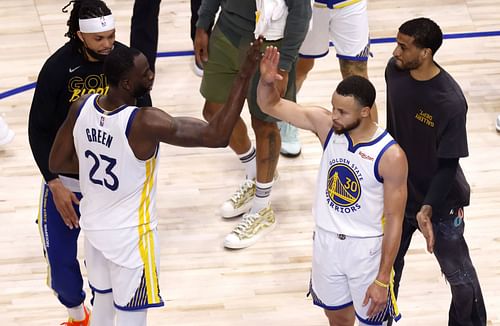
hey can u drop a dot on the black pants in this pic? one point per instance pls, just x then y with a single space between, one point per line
144 35
451 251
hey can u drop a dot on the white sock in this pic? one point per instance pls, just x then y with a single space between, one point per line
262 196
103 313
249 161
76 313
131 317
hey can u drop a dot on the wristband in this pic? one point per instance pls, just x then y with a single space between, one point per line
381 284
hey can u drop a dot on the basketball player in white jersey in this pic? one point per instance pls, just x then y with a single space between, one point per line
360 198
114 145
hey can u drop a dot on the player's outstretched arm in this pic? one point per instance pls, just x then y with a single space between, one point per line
315 119
190 132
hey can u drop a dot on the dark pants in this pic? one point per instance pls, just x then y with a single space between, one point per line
144 35
451 251
60 250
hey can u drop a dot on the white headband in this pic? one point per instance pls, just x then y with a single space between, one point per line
97 25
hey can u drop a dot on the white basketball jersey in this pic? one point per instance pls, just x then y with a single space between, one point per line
118 208
350 195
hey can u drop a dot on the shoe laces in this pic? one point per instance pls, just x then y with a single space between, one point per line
244 187
247 221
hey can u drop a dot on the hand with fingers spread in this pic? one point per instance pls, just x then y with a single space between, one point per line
376 295
64 200
269 66
425 225
253 56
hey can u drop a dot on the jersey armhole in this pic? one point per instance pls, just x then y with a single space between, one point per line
377 161
130 120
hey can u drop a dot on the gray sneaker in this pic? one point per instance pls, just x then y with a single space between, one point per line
6 134
290 144
498 123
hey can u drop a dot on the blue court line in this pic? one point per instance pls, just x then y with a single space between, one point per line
381 40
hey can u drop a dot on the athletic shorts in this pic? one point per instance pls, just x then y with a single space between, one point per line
224 61
132 288
346 27
342 270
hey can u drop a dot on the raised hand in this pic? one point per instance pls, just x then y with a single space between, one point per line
253 56
269 65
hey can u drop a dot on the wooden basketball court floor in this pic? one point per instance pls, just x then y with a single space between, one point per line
202 283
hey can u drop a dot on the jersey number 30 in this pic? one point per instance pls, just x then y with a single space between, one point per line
109 173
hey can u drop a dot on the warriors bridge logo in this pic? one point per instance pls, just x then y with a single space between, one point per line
343 188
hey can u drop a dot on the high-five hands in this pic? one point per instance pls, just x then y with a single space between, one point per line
269 66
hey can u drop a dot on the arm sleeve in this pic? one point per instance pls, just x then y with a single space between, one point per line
453 141
441 182
42 127
206 13
297 25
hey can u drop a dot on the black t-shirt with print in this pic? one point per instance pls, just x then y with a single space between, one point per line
427 119
63 79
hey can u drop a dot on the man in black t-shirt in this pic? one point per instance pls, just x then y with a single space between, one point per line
426 115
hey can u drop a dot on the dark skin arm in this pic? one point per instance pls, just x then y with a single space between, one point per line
152 125
63 159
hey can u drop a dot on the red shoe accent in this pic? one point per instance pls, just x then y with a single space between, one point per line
85 322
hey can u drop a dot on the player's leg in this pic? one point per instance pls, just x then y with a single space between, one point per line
137 289
363 265
99 277
452 253
223 64
60 250
350 35
329 286
409 227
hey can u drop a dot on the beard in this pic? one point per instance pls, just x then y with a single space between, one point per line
94 54
344 129
140 91
410 65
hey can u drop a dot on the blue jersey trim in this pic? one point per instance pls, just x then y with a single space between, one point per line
99 109
351 58
81 107
130 120
100 291
314 56
328 138
351 148
377 161
151 305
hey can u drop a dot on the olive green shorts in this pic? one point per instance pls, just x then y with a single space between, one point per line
224 61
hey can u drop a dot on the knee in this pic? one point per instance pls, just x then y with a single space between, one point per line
353 68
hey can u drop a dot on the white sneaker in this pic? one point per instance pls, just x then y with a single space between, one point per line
240 202
6 134
290 144
198 70
251 228
498 123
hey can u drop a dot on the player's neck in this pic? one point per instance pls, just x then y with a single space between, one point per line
426 71
364 132
114 100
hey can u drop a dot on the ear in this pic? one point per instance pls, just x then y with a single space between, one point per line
365 112
125 84
80 36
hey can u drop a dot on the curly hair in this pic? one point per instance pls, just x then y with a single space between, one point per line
83 9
